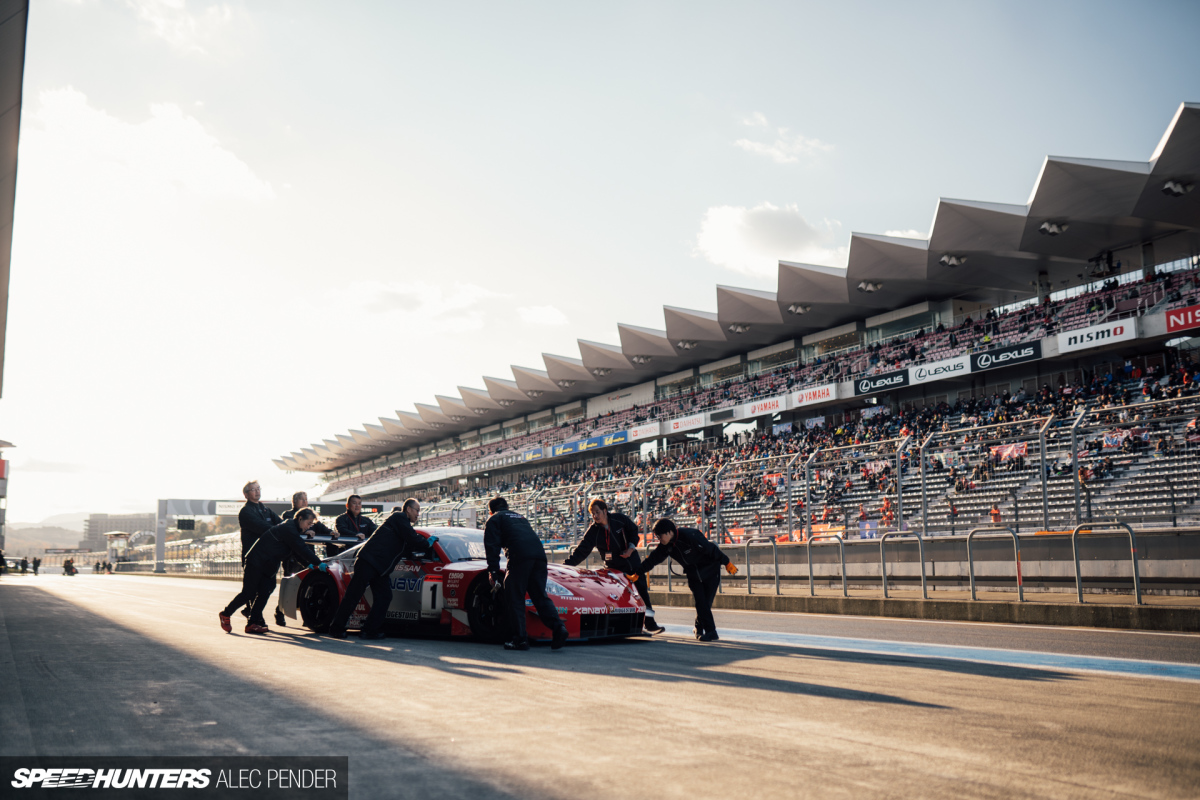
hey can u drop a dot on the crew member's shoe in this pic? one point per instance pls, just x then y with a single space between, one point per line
709 636
279 620
226 625
651 626
697 633
560 638
376 635
516 644
252 628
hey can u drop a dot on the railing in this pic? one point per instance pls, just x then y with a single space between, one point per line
841 551
774 558
1016 557
1114 525
883 559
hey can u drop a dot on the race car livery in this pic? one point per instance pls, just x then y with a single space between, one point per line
445 590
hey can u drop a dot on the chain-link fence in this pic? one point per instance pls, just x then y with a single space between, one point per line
756 498
855 490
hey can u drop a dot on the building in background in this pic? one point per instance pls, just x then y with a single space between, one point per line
99 524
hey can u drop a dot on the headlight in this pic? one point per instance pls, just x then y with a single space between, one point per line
556 589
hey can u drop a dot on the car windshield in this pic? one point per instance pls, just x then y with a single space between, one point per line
460 544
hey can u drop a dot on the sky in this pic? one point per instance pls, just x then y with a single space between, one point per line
244 227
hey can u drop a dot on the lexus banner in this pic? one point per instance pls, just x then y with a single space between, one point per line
939 370
880 383
1006 356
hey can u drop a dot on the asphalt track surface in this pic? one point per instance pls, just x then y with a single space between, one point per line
784 706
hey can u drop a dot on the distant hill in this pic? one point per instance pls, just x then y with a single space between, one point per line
72 522
32 540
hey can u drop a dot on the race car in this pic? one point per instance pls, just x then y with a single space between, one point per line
445 590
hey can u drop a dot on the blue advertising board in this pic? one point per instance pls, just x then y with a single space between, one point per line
534 455
566 448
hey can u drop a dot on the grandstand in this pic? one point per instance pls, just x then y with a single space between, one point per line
1052 380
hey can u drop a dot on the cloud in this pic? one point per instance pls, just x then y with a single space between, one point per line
170 154
784 148
171 21
753 240
907 234
419 302
546 316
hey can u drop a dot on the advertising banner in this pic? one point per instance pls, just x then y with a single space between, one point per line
644 431
938 370
814 394
1181 319
565 449
814 422
767 405
781 427
534 455
611 439
1097 335
1006 356
881 383
684 424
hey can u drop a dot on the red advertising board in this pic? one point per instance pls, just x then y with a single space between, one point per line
1182 319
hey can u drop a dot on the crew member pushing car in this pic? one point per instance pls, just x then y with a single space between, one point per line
616 537
701 561
262 562
292 565
373 567
527 572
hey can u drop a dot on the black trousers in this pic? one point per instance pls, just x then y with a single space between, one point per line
633 566
527 576
381 597
704 589
258 581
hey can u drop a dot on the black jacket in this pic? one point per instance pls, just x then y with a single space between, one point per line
509 531
318 528
345 525
255 519
620 535
279 542
390 542
697 555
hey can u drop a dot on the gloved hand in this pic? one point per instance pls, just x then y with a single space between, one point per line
731 569
633 578
431 540
323 567
496 577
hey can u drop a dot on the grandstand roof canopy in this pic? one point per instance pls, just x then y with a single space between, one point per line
1080 211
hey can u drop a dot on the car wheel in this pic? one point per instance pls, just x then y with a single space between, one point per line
486 612
317 601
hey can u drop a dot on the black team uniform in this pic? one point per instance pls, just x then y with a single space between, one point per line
701 561
619 535
291 564
527 571
262 562
373 567
347 524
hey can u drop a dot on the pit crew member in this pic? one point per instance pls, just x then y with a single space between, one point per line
616 537
262 562
527 572
373 566
352 523
701 561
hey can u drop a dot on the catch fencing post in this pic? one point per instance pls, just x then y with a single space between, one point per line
1016 556
808 493
900 482
1075 462
924 496
1114 525
883 560
1045 490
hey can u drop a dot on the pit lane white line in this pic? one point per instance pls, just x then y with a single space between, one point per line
984 655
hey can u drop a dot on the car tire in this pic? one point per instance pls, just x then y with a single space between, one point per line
486 612
317 601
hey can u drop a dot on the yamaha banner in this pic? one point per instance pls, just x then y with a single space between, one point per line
881 383
1006 356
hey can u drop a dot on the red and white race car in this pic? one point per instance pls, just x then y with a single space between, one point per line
446 591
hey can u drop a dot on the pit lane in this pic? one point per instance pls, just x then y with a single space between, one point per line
784 706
